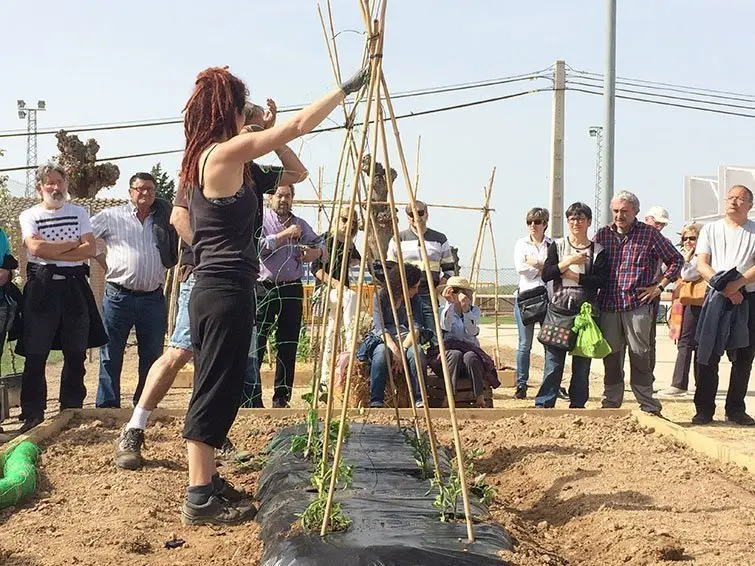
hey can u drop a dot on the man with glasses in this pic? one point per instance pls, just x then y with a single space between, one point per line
438 254
141 244
287 243
726 260
633 251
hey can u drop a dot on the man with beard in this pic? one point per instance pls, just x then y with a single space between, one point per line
141 245
287 243
59 311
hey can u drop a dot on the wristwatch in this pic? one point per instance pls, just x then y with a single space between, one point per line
661 287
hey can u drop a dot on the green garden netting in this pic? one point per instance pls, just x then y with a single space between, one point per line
19 479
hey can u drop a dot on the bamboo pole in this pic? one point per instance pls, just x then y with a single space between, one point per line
477 249
314 202
407 302
405 291
416 172
335 65
374 92
495 280
475 279
460 456
344 275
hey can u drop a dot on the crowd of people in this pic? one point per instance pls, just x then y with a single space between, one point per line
241 265
622 273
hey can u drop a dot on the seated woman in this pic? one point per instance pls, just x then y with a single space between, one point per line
576 269
397 340
460 320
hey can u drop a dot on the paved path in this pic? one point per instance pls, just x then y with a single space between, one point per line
665 359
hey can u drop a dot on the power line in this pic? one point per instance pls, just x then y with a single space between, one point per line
662 103
173 121
708 92
668 96
333 128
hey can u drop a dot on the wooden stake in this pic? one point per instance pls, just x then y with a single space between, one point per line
374 92
357 167
460 456
374 84
495 312
416 172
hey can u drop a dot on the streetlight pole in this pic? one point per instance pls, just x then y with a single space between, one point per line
597 133
609 96
31 140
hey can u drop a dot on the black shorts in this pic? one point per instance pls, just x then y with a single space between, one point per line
221 315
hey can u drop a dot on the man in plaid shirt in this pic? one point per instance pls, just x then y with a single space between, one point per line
633 252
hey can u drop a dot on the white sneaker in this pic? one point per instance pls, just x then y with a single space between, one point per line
672 391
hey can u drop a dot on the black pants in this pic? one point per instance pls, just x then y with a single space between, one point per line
281 303
687 346
707 375
467 365
221 315
63 313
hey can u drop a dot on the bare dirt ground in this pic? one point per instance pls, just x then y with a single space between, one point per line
570 489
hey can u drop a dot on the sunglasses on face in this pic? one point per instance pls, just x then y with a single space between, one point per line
344 219
689 239
420 213
537 222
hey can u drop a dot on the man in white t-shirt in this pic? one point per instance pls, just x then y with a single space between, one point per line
725 244
59 311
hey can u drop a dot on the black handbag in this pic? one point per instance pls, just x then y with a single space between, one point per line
557 330
533 304
9 309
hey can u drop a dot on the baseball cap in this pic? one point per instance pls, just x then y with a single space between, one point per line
659 214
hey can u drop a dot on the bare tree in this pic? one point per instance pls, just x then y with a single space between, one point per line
85 176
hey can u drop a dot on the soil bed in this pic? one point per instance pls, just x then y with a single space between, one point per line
571 489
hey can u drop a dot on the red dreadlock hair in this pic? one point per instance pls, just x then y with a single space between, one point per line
210 116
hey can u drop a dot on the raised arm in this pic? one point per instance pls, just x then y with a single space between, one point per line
251 145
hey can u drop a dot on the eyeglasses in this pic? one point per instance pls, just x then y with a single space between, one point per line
689 239
536 222
420 213
146 190
577 219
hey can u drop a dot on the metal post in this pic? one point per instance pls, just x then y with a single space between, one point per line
30 114
597 133
609 94
557 152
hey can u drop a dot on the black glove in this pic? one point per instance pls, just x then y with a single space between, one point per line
357 81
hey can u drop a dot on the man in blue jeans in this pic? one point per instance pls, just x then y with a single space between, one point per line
141 245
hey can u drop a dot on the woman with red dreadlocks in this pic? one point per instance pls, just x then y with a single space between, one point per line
223 210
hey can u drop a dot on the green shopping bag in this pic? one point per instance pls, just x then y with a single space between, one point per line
590 341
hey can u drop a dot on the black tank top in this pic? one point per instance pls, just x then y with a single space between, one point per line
223 234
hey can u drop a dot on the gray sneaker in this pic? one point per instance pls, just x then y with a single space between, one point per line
217 511
128 450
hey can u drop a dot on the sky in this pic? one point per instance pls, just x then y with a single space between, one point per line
102 62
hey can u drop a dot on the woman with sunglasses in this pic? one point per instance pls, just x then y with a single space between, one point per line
329 269
686 345
530 253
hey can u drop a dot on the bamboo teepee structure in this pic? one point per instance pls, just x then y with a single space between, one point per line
376 108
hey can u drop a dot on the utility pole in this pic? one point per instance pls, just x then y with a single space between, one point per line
597 133
557 152
609 96
31 141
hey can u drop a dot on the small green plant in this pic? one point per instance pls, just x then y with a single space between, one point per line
422 451
450 492
313 515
